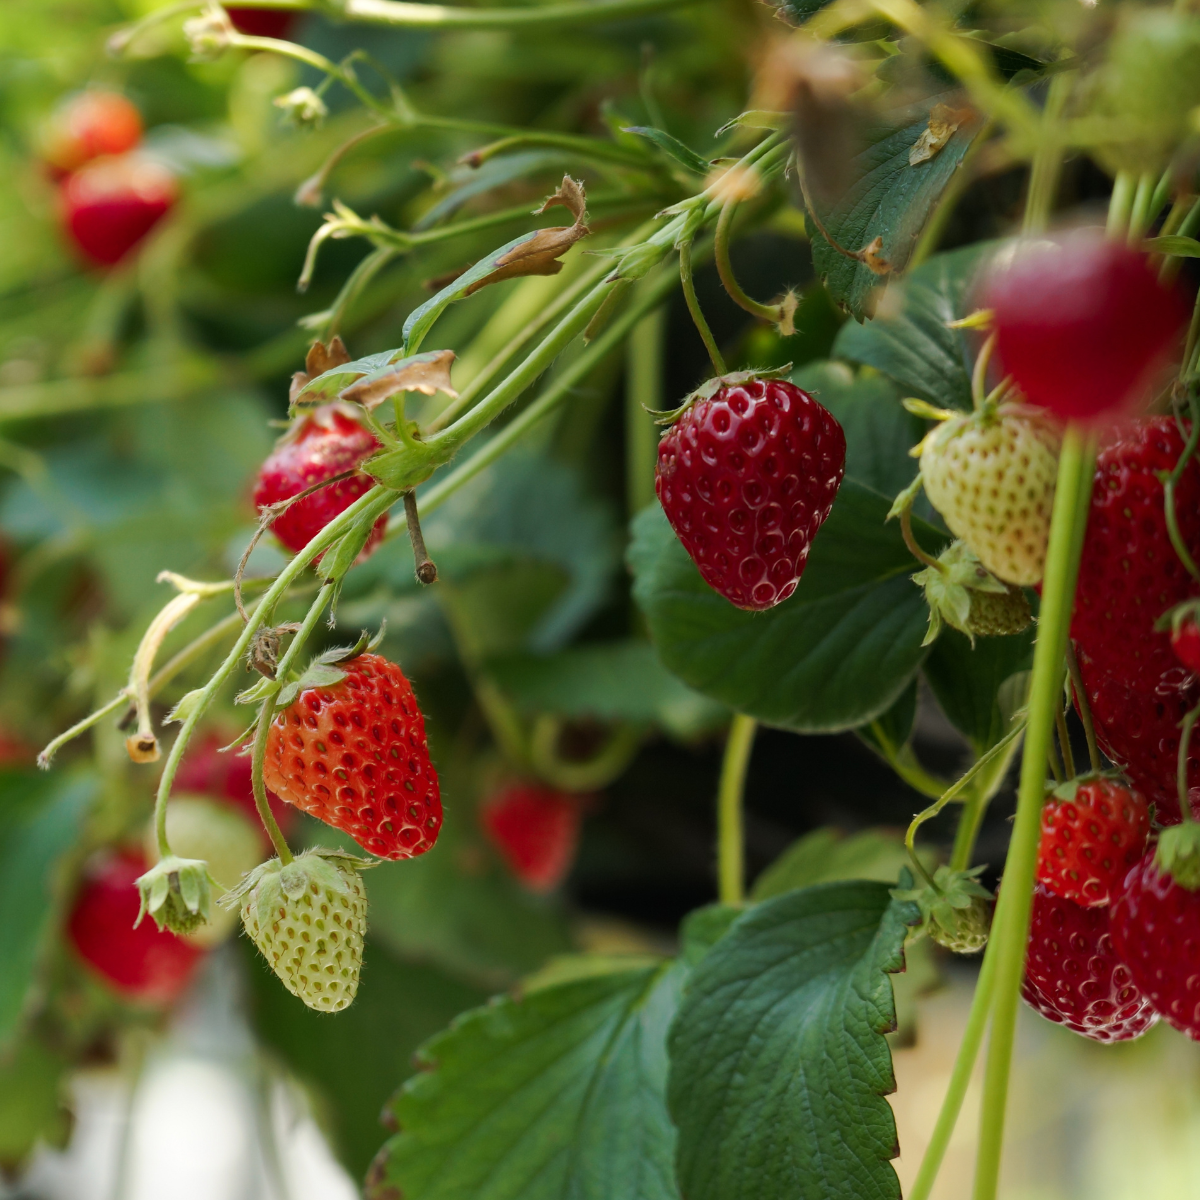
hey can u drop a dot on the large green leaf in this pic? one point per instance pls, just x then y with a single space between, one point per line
890 198
836 654
556 1094
609 681
825 855
967 682
915 346
779 1065
41 818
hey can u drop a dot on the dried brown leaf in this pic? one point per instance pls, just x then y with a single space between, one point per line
428 374
943 121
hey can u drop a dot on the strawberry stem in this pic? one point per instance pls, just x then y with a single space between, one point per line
1064 742
774 313
979 374
1181 770
913 545
425 568
1172 481
693 303
1011 927
731 868
1084 709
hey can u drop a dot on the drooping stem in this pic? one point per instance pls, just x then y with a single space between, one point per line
731 867
1011 930
960 1079
426 571
767 312
1064 742
1084 709
693 303
914 547
985 785
142 745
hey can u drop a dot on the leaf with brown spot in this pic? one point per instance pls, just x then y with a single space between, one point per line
535 253
943 121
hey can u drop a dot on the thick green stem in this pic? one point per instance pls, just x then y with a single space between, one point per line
731 865
643 398
1011 927
1047 159
960 1080
1120 204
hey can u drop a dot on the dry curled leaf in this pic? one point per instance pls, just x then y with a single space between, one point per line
539 254
425 373
871 256
319 359
943 121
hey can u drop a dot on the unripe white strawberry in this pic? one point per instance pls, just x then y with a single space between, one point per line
991 475
308 919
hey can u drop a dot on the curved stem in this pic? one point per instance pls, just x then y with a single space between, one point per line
979 373
960 1079
1084 709
1181 769
1011 928
731 866
914 547
766 312
689 294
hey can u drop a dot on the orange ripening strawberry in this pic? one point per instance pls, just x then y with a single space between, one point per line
536 829
87 125
1091 835
353 754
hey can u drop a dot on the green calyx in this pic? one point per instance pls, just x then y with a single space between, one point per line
177 893
956 909
1178 854
962 593
710 387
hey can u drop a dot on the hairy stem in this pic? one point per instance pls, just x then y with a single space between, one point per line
1011 929
731 866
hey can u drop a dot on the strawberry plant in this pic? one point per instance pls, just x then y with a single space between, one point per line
900 436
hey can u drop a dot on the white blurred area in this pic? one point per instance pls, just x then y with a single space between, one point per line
205 1117
1085 1121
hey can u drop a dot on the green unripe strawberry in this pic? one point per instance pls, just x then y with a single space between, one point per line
956 908
308 918
991 475
961 593
219 835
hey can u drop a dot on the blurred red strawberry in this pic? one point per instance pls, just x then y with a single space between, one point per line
112 203
536 830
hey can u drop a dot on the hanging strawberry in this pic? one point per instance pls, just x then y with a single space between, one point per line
112 203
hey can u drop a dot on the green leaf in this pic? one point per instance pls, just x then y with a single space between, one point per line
967 682
327 386
610 681
894 726
836 654
826 856
779 1065
799 11
41 818
555 1094
32 1100
879 431
916 347
673 148
889 198
1180 247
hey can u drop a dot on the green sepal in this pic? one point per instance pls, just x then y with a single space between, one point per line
177 893
1178 854
258 692
955 909
954 591
323 669
185 706
710 387
928 412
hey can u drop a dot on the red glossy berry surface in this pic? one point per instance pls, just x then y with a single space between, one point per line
227 776
1090 841
1185 641
112 203
1156 930
318 446
1081 323
144 964
354 755
1129 577
1074 976
88 125
746 478
536 830
261 22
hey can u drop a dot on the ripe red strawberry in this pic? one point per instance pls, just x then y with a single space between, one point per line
1082 323
205 771
1090 840
112 203
536 829
353 754
319 445
144 964
1185 641
1129 577
261 22
1075 977
88 125
1156 930
746 476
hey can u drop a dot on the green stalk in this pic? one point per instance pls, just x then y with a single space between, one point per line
960 1079
1011 926
643 398
731 866
548 16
